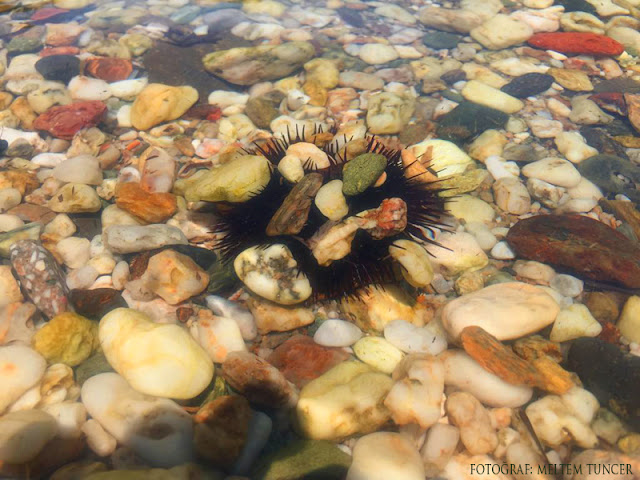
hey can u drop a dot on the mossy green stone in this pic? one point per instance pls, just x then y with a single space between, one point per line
362 172
468 120
24 44
499 277
92 366
304 459
440 40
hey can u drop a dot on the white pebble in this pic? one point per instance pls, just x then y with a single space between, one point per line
501 251
337 333
411 339
99 440
82 277
567 285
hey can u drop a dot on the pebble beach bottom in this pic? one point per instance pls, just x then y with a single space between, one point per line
320 239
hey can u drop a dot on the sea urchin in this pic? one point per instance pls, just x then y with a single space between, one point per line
337 215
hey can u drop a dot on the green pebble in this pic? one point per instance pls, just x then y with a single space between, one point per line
440 40
308 459
362 172
499 277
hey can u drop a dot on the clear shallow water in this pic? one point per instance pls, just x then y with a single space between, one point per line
149 147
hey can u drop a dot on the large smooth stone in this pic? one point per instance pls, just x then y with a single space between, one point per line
20 369
465 374
385 455
506 310
236 181
587 247
246 66
304 459
174 277
157 429
612 376
156 359
23 434
606 171
159 103
134 238
467 120
273 274
344 401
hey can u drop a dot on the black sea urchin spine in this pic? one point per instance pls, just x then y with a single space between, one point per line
244 225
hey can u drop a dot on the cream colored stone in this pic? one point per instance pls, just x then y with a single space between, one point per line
414 259
331 202
490 142
344 401
384 456
478 92
379 353
156 359
377 306
377 53
446 157
273 273
416 395
506 310
470 209
235 181
24 434
573 322
501 32
573 146
562 419
290 167
159 103
9 288
156 429
629 321
458 251
553 170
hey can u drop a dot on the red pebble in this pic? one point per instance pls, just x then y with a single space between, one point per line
64 121
45 52
577 42
109 69
611 101
47 13
204 111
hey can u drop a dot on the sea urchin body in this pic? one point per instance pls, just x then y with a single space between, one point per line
384 197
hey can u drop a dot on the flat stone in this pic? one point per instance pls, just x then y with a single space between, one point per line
467 120
505 310
587 247
292 215
59 68
246 66
303 459
301 360
612 376
156 359
132 238
151 207
440 40
528 85
174 65
259 381
333 406
605 171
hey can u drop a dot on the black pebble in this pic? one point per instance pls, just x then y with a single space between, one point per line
59 68
528 85
611 375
